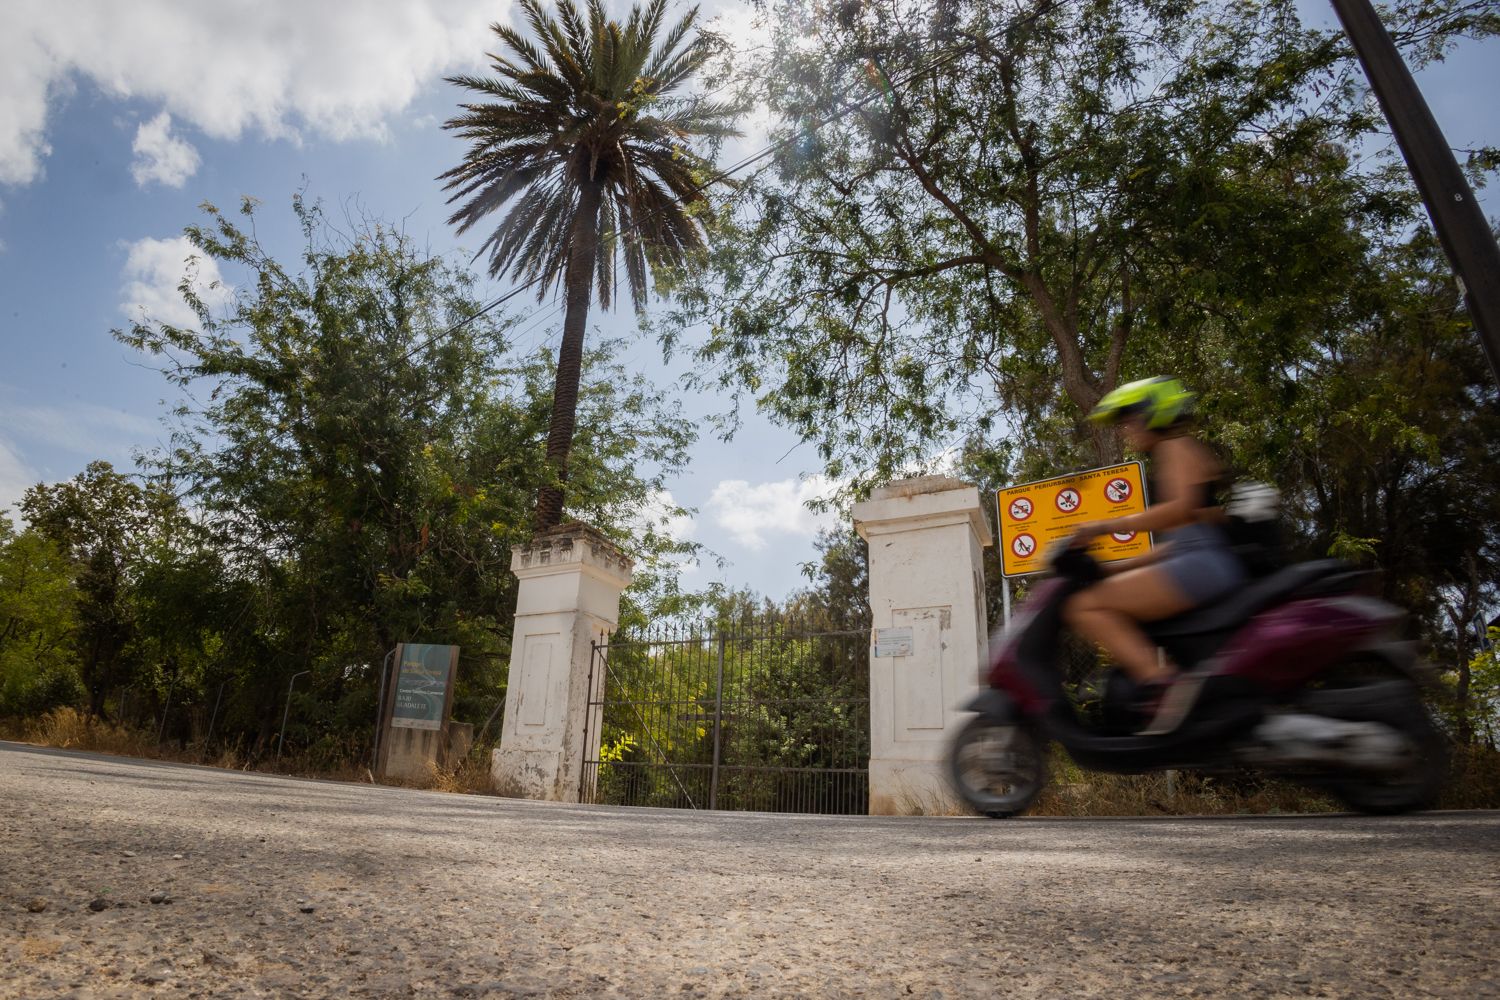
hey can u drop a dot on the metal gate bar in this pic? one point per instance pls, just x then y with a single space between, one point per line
755 716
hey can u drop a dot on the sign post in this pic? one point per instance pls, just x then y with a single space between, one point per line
1035 516
420 701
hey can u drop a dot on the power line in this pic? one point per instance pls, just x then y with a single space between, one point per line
844 109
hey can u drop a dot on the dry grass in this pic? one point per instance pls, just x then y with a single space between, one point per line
1072 791
918 803
1183 794
70 729
1475 782
1474 779
230 758
470 776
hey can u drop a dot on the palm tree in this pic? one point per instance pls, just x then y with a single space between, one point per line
582 138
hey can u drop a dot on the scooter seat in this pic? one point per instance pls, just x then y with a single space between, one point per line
1239 607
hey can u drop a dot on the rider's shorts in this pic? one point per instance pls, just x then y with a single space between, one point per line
1202 565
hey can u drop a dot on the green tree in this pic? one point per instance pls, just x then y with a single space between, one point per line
981 217
38 623
105 523
1477 709
1387 432
361 465
838 595
581 132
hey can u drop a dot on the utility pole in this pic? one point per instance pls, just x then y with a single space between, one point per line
1460 223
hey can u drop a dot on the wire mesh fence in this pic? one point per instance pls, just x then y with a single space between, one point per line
311 722
746 716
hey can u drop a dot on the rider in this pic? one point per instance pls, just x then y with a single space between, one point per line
1192 566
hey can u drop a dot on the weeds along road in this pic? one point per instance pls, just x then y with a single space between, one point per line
287 888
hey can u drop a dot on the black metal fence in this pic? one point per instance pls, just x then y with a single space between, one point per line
748 716
255 721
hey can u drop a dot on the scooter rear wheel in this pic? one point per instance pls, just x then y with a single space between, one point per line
1417 783
998 766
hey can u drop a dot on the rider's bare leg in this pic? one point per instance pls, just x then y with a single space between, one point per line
1108 612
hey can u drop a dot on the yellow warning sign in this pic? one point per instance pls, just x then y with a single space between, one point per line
1034 516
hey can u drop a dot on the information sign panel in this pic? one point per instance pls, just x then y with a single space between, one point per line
893 641
1034 516
423 678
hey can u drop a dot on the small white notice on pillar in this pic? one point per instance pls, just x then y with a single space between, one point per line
893 641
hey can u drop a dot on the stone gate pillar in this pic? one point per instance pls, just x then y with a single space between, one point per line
569 598
926 538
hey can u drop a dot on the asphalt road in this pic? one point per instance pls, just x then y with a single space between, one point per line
287 888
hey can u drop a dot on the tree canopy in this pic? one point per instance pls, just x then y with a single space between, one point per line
982 217
349 469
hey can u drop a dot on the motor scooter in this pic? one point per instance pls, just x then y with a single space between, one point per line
1304 677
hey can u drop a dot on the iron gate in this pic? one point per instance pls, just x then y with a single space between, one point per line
755 716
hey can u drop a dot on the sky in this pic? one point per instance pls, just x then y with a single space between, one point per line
118 119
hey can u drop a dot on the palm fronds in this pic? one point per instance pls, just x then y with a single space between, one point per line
581 100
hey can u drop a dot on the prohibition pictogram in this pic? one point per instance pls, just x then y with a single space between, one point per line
1023 545
1122 536
1020 508
1117 490
1068 500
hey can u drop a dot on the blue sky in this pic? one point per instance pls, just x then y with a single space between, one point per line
117 120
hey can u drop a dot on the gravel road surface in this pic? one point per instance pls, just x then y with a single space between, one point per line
275 887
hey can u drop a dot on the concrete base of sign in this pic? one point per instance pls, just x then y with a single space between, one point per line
569 599
413 754
926 539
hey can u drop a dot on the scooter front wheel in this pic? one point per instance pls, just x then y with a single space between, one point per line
997 766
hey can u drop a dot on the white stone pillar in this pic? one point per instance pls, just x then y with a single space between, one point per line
569 599
927 538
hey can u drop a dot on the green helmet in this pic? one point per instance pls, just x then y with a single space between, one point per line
1160 401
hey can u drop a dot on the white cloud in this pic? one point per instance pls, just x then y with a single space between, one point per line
659 515
276 67
754 515
161 156
749 31
29 75
16 477
154 269
745 27
81 428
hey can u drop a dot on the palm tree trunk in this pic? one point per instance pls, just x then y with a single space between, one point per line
580 286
